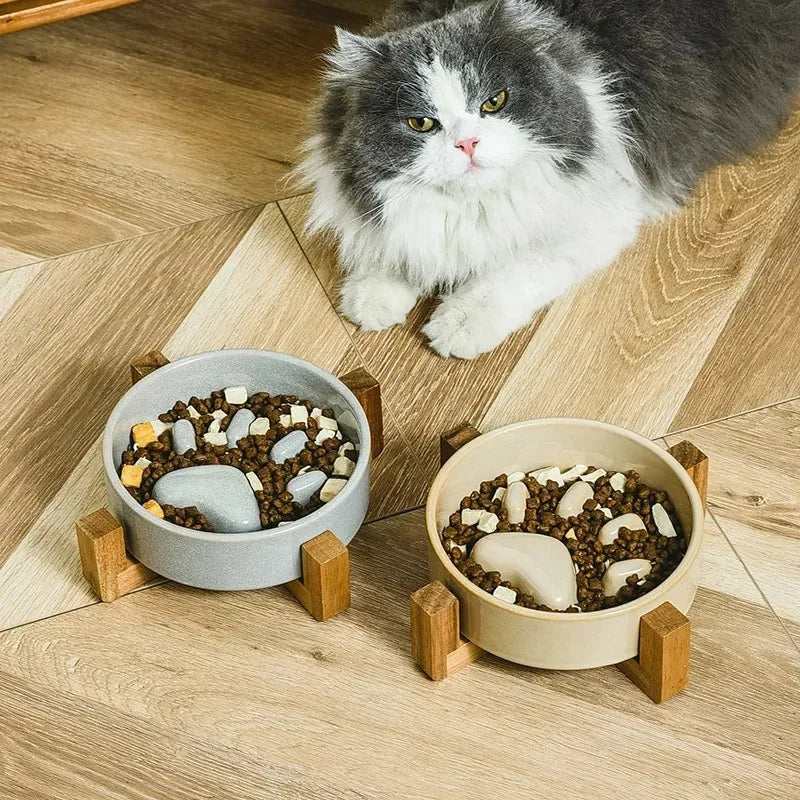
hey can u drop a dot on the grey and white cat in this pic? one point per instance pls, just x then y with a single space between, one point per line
497 153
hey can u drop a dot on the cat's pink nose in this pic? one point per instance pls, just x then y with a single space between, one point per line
468 145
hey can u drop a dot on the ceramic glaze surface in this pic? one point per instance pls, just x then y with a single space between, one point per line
538 638
234 560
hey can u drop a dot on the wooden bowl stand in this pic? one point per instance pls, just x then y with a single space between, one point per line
324 588
660 670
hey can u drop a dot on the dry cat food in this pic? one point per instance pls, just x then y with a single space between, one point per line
574 541
237 463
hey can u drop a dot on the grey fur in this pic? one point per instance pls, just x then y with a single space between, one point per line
701 81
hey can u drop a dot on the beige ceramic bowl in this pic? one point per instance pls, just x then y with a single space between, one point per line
546 639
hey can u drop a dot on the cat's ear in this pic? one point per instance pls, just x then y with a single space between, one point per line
525 14
352 52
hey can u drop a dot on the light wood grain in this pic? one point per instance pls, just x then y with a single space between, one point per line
13 283
627 346
257 259
94 146
67 339
754 493
9 259
73 749
754 362
176 659
20 14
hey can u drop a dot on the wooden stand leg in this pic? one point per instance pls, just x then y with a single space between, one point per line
436 644
105 563
695 462
662 668
324 589
368 392
144 365
454 439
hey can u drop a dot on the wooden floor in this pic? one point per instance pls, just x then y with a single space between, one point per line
143 204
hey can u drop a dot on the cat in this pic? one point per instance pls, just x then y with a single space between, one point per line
497 153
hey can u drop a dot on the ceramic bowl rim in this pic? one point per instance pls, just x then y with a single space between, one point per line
692 551
362 465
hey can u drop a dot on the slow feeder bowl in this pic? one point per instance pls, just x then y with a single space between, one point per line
230 561
537 638
124 550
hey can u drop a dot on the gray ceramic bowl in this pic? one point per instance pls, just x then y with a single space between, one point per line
234 560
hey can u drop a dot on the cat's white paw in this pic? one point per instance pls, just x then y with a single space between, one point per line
460 329
375 303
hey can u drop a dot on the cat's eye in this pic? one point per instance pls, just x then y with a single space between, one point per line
495 103
422 124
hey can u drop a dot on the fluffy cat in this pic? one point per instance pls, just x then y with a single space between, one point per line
497 153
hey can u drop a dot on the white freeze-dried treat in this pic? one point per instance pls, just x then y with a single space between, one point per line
345 447
193 412
513 477
216 439
662 521
591 477
499 493
541 476
574 472
259 426
315 413
236 395
505 594
570 534
329 423
488 522
254 481
343 466
142 463
470 516
324 435
331 488
298 414
285 420
219 414
214 428
606 512
617 481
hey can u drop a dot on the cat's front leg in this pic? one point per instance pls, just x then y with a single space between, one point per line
375 302
479 315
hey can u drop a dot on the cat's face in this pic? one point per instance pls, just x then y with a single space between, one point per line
458 103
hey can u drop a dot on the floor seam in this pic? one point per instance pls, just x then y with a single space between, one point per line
134 237
750 575
731 416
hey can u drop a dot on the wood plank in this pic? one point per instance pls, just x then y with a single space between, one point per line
754 492
68 337
186 312
56 745
80 171
15 16
173 659
11 259
627 346
754 362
